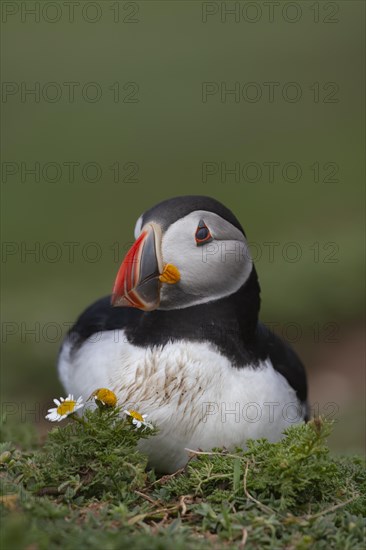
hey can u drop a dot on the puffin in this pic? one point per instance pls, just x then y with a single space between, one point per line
179 339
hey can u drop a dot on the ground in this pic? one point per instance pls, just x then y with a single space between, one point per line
88 487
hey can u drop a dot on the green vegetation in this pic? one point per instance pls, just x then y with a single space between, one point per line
88 487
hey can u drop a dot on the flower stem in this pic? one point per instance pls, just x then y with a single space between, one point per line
78 419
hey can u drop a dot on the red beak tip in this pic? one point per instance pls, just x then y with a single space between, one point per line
137 284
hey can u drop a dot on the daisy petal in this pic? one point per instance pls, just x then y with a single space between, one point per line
64 408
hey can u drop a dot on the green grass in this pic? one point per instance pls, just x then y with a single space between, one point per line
88 487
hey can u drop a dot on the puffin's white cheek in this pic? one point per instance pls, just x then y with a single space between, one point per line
227 253
218 268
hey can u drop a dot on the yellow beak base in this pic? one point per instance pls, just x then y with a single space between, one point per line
170 275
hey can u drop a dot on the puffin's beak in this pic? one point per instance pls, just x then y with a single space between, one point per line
141 274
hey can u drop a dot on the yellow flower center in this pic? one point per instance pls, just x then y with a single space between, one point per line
136 415
106 397
66 407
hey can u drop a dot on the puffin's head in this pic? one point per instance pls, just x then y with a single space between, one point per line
188 250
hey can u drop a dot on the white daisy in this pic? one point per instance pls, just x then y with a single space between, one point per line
64 408
138 419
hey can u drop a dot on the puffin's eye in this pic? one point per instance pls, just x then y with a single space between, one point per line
203 234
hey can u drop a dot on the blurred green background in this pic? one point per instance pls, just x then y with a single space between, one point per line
150 62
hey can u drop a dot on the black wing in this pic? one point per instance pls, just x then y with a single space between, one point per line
101 316
283 359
